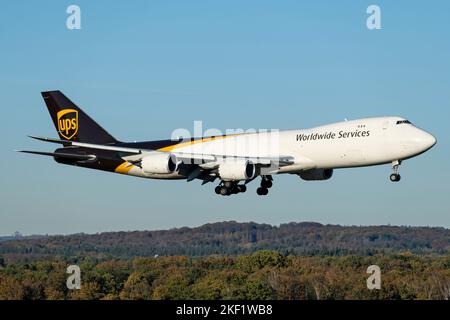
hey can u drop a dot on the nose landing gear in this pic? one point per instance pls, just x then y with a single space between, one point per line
395 177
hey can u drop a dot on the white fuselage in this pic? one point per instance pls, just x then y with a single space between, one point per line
354 143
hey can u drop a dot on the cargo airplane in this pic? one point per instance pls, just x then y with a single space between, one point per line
236 159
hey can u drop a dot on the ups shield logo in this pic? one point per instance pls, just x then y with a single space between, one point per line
67 123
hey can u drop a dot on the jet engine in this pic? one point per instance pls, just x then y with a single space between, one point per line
237 170
159 163
316 174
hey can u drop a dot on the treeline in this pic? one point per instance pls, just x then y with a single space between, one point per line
232 238
260 275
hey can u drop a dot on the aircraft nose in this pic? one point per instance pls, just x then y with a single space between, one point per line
426 140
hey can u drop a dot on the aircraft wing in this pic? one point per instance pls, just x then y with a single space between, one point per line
204 162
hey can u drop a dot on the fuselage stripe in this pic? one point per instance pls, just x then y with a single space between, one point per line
124 168
189 143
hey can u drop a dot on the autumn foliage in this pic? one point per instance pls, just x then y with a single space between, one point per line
261 275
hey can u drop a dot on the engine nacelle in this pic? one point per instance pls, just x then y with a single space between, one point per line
159 163
316 174
233 170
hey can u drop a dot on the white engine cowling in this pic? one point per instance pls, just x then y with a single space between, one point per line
316 174
233 170
159 163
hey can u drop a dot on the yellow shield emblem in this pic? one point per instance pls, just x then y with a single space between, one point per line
67 123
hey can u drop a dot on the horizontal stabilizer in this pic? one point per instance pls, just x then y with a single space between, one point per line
51 140
61 155
90 145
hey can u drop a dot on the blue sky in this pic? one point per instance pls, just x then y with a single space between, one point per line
144 68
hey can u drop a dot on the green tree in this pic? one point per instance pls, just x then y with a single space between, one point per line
89 291
137 287
173 285
257 287
210 287
261 259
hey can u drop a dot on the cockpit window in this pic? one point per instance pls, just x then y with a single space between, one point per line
403 121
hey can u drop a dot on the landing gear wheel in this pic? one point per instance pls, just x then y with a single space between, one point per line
262 191
217 189
234 190
242 188
395 177
266 184
228 184
224 191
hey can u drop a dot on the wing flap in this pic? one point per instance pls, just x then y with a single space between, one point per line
208 160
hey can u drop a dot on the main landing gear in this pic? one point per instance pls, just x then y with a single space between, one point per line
226 188
395 177
266 183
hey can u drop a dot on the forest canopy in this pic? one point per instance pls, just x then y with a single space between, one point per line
233 238
231 260
259 275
